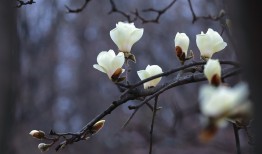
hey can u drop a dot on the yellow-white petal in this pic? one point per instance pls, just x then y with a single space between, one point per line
125 35
104 59
221 101
182 40
149 72
108 62
210 43
212 68
98 67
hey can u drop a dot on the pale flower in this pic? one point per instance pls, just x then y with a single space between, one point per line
181 43
209 43
125 35
110 63
212 72
219 102
150 70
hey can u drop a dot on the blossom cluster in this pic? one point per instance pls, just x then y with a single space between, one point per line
125 35
218 102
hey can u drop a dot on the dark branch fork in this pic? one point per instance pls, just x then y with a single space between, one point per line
133 93
133 16
208 17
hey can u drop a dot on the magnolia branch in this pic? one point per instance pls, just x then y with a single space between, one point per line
134 93
152 125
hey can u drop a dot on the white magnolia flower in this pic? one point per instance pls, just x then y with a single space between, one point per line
125 35
148 72
220 102
181 44
110 63
212 72
210 43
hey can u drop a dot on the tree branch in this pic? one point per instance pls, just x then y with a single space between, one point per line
21 3
237 138
78 10
133 16
174 71
152 125
208 17
137 94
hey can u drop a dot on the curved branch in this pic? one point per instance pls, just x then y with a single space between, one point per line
136 14
174 71
135 94
208 17
78 10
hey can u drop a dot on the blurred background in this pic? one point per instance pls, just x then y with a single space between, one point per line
59 89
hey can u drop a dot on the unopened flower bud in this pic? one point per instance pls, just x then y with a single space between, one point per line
181 44
97 126
212 72
37 134
43 147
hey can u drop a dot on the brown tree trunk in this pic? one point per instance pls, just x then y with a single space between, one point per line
248 30
8 72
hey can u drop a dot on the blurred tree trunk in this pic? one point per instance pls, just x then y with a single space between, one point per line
9 61
247 26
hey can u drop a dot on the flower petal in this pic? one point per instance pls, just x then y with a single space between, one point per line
212 68
143 74
182 40
98 67
104 59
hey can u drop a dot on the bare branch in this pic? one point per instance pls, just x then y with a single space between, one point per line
21 3
133 16
136 94
78 10
208 17
235 128
152 125
130 118
114 9
174 71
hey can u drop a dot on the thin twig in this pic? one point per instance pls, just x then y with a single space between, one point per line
237 139
127 70
159 12
78 10
21 3
133 16
129 119
208 17
114 9
152 125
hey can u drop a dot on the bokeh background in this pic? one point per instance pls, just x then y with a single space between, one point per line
59 89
